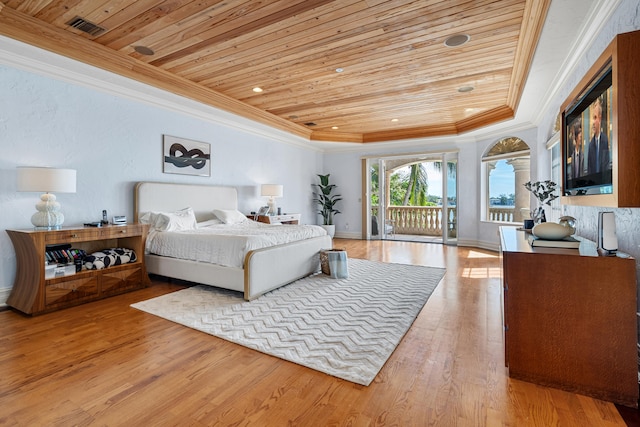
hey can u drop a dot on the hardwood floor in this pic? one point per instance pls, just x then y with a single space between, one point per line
105 363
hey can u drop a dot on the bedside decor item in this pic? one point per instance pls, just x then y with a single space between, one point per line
566 242
607 237
327 202
186 157
272 191
543 191
551 231
568 221
47 180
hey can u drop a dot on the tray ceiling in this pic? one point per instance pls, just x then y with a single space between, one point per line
333 70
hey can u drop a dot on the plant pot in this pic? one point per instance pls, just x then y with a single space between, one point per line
331 229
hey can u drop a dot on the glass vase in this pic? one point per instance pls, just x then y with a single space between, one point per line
537 215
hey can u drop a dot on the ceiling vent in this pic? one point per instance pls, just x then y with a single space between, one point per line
86 26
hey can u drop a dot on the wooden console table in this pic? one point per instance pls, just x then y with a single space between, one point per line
570 318
32 293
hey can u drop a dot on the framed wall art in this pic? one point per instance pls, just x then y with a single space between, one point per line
186 157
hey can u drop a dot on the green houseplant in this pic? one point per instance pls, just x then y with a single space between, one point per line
327 202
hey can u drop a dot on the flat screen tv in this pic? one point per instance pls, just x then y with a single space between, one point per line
587 137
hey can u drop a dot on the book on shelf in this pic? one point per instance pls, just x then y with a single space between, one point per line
567 242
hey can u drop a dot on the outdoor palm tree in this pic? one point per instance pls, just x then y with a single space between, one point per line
418 187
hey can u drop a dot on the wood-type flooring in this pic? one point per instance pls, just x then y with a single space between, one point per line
107 364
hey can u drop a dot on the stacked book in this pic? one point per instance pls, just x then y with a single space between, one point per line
567 242
62 254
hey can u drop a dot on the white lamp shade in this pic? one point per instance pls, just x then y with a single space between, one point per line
49 180
272 190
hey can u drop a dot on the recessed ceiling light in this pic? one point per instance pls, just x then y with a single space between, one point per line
457 40
394 120
464 89
143 50
339 70
334 127
257 89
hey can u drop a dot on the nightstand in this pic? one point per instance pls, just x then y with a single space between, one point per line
280 219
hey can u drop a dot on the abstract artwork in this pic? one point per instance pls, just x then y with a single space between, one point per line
186 157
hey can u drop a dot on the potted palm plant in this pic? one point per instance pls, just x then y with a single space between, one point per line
327 203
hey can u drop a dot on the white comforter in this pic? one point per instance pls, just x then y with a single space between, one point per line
226 244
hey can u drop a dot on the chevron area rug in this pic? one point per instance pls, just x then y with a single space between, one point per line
347 328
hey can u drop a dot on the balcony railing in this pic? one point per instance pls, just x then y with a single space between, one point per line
428 221
501 214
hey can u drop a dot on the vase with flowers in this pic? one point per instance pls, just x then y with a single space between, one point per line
544 193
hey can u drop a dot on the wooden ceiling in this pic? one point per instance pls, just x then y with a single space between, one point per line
398 80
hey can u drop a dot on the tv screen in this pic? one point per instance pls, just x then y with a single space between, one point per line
587 140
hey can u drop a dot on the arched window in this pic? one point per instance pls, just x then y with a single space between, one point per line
506 169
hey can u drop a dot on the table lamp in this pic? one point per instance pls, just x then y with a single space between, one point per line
272 191
47 180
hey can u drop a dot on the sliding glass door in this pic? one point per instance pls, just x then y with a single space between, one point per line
411 197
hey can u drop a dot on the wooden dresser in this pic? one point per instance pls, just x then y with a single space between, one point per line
32 293
570 318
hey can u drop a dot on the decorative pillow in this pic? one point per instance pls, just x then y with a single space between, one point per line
229 216
108 257
184 219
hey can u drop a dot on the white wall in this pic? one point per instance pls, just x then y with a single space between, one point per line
113 142
625 18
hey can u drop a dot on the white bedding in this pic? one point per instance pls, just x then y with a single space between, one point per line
226 244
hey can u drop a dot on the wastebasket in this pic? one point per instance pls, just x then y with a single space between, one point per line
334 262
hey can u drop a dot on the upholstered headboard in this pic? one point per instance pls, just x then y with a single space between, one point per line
169 197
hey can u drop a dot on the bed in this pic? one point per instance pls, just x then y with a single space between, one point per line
261 270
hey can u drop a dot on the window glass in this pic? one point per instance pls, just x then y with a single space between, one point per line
507 166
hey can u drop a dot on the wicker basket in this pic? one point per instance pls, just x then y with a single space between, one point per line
324 260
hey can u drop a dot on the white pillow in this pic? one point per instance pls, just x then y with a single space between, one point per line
149 218
229 216
207 223
184 219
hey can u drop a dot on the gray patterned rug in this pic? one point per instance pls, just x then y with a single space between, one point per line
347 328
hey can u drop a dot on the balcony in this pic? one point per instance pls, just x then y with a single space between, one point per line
428 221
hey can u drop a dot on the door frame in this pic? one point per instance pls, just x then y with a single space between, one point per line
366 162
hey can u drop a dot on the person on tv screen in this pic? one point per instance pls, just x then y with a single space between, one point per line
598 158
577 155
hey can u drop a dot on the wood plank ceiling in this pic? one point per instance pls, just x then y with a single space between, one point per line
334 70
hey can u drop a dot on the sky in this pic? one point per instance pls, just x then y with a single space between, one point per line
502 180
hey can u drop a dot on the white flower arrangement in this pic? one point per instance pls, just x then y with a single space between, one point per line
543 190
